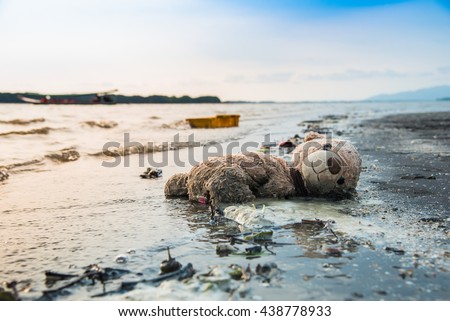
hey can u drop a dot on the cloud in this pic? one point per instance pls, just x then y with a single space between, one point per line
444 70
355 74
277 77
274 77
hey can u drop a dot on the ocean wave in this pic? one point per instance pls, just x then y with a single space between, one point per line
101 124
36 131
135 149
13 167
22 121
64 155
180 125
143 149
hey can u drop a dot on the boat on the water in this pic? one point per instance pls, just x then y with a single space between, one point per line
217 121
106 97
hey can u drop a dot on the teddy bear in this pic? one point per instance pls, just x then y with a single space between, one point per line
320 166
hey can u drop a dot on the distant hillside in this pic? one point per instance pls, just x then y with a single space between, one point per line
121 99
432 93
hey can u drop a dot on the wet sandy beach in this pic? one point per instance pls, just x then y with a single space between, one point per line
389 243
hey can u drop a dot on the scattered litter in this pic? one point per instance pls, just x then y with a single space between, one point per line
152 173
395 250
225 249
253 250
169 265
414 177
12 295
261 236
335 252
53 277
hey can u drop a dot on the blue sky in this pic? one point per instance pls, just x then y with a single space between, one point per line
236 49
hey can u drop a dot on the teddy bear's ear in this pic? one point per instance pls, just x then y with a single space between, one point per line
312 135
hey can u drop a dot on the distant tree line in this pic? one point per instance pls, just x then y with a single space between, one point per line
121 99
157 99
9 98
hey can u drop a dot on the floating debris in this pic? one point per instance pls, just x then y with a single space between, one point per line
261 236
221 276
414 177
335 265
92 272
337 276
266 269
12 295
225 249
332 251
7 295
381 292
395 250
152 173
185 273
236 272
169 265
79 279
316 222
253 250
268 250
247 274
53 277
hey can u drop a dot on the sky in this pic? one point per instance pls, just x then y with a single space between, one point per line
282 50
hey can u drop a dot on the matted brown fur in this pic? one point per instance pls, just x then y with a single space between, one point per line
235 179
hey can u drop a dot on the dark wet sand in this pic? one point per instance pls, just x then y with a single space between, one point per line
411 155
407 167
